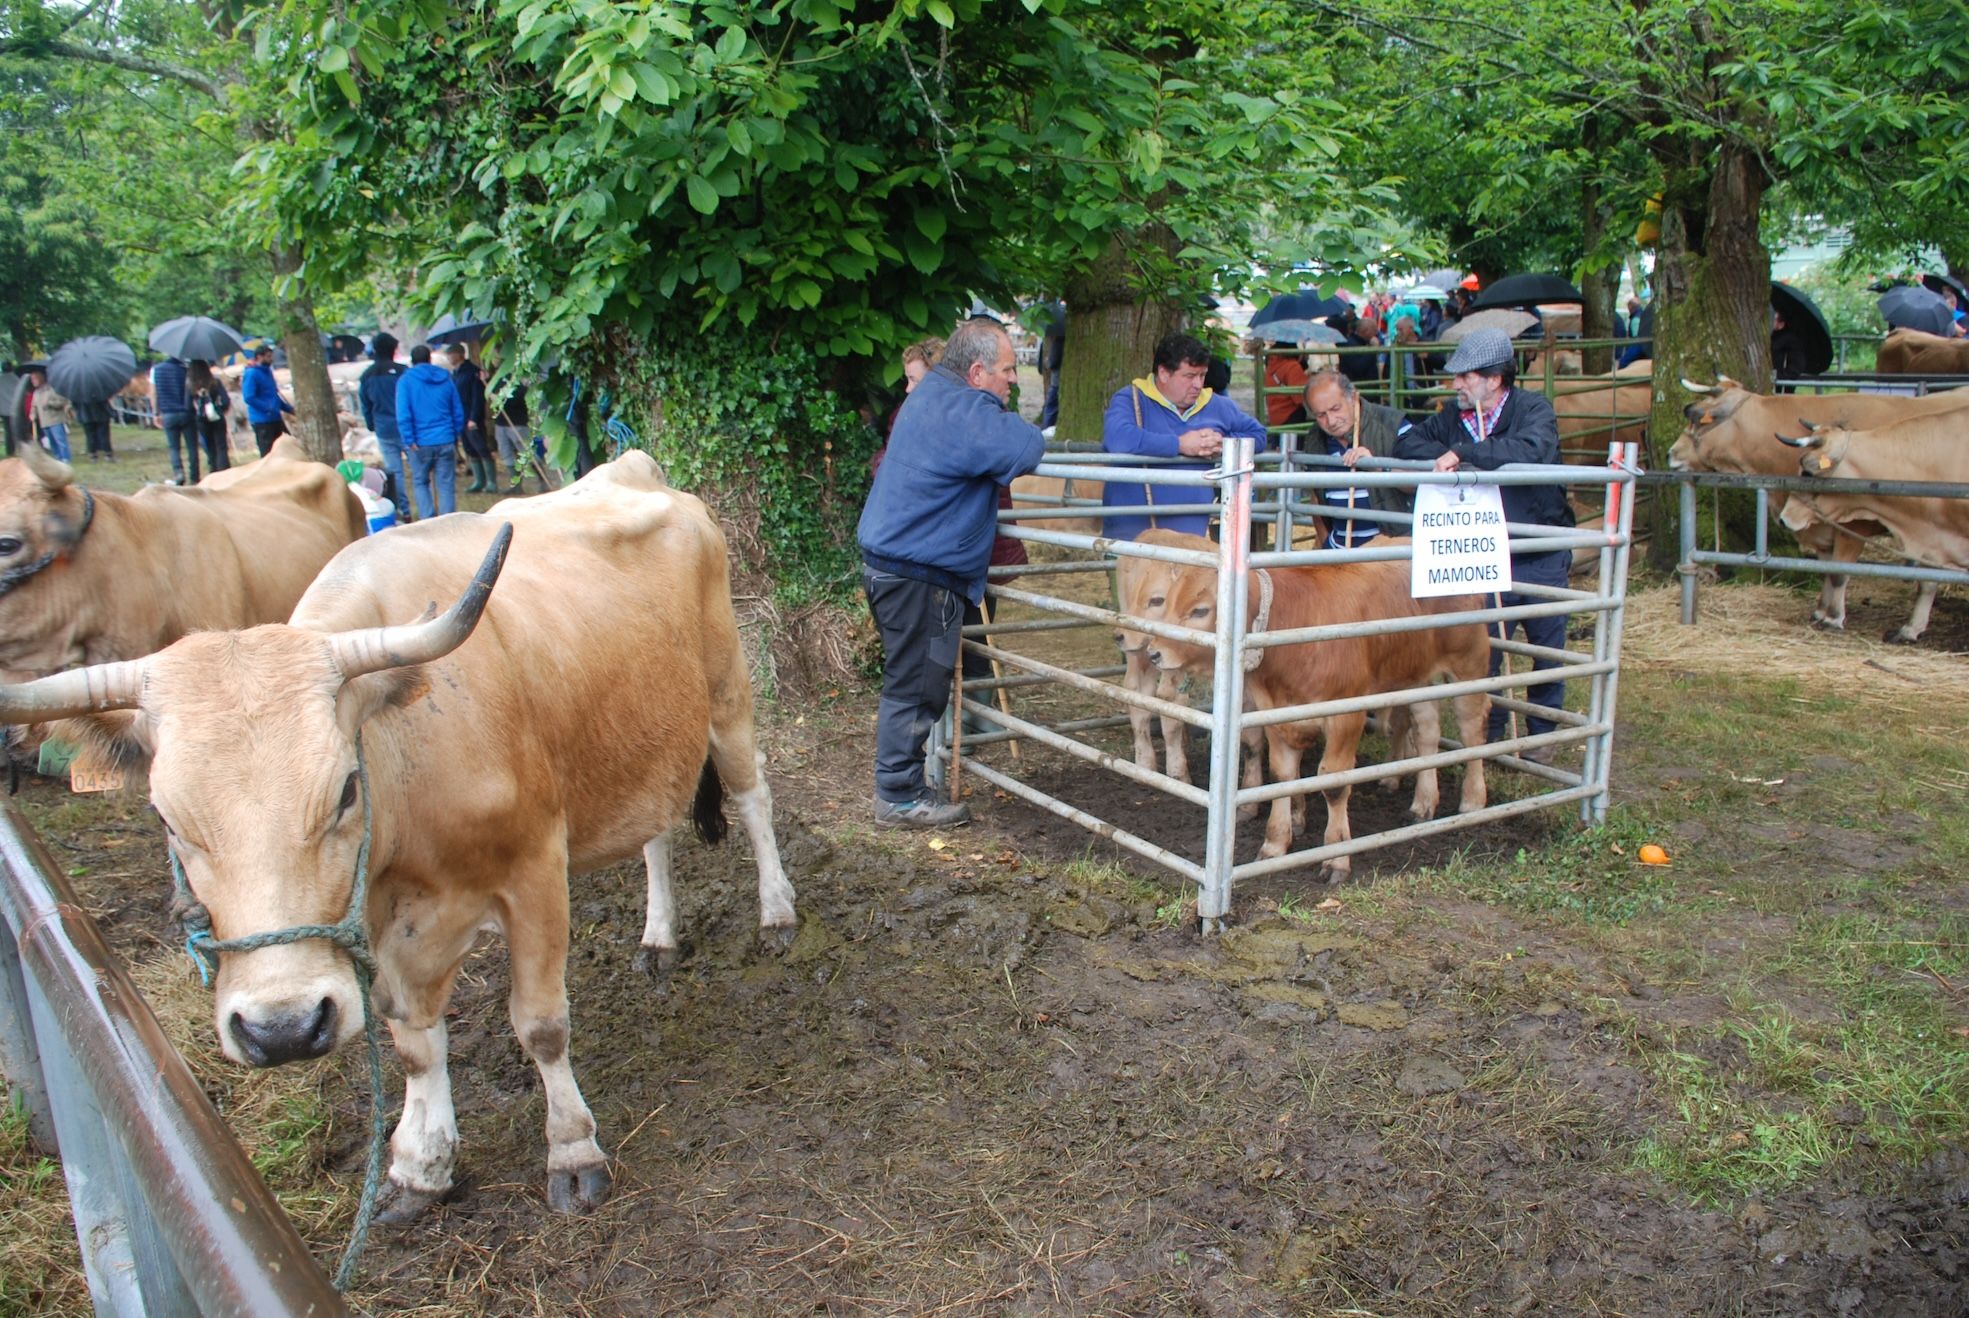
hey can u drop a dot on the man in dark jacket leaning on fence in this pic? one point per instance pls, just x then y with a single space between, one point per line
926 538
1494 424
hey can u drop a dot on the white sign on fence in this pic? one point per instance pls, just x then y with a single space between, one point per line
1460 543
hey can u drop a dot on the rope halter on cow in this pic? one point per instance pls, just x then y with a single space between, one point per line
351 934
14 576
1254 657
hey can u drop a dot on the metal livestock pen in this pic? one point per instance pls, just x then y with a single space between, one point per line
1280 496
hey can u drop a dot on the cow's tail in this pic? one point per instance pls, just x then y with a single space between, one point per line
708 811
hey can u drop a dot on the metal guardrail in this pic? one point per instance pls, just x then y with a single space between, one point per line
1760 556
170 1215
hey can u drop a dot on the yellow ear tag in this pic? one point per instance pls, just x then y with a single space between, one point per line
88 773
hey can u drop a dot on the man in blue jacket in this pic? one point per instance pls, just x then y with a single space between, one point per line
167 388
378 391
430 419
264 405
926 537
1170 414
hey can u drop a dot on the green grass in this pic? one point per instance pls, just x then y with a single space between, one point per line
1592 876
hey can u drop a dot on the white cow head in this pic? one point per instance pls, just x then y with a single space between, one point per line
250 738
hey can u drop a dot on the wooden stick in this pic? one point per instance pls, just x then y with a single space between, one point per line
956 723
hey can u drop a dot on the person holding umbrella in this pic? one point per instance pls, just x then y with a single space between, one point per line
264 405
90 371
207 403
167 390
93 414
52 415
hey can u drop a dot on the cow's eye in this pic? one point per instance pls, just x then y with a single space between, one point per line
1157 601
1201 610
348 794
9 546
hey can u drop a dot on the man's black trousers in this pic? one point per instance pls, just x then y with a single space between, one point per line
920 629
1552 569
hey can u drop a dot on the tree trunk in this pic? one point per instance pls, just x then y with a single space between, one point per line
1599 286
1712 304
1111 333
316 425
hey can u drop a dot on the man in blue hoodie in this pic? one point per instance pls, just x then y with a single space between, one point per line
430 420
926 538
264 405
378 392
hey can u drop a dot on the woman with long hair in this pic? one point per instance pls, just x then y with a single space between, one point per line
207 402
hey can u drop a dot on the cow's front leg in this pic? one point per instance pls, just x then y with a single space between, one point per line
424 1148
577 1173
1472 713
1425 739
1343 738
1285 768
1175 732
1253 742
1139 677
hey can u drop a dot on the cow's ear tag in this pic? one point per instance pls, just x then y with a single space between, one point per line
1822 462
90 772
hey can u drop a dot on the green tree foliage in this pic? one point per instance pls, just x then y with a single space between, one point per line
647 194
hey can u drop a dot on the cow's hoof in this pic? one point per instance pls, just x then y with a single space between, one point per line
1334 871
401 1205
1825 624
578 1190
657 962
1269 850
777 939
1420 814
1900 636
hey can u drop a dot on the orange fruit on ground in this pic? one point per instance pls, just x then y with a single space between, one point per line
1653 855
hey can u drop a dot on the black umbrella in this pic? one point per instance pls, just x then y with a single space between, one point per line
92 369
1909 307
343 347
1527 291
196 338
1803 317
1306 304
450 329
1948 283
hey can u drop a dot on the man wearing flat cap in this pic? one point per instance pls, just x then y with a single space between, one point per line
1493 425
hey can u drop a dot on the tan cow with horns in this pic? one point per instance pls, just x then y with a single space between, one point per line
565 729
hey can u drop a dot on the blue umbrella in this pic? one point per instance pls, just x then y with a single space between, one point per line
1913 307
196 338
94 369
1306 304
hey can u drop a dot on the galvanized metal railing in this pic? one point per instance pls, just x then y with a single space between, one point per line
1693 557
169 1213
1239 482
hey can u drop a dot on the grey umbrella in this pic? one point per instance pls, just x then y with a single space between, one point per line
196 338
1511 322
1299 330
92 369
1911 307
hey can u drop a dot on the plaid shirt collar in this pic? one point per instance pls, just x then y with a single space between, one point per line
1469 418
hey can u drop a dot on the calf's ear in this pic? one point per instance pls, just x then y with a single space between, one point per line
361 698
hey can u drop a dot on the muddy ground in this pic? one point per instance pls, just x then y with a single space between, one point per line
988 1080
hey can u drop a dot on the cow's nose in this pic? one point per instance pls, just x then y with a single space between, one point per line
287 1037
1155 657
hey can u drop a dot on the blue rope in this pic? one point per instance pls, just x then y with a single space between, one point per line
352 936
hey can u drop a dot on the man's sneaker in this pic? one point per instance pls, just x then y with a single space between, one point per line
924 812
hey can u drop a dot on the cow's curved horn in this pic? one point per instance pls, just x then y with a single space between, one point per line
50 470
1695 388
1810 429
377 648
93 690
1803 441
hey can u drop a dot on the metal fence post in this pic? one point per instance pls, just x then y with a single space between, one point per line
20 1056
1213 899
1686 565
1288 448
